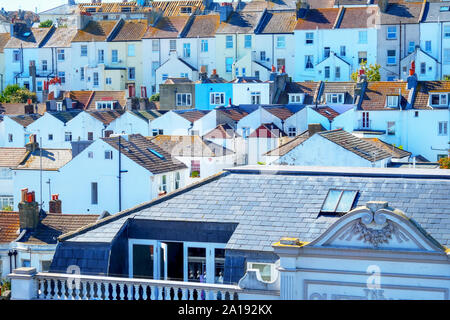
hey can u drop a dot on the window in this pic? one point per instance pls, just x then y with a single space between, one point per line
156 132
343 51
62 76
391 57
338 201
423 68
91 155
281 42
83 50
446 31
365 120
108 155
247 41
392 33
50 137
114 56
362 37
362 57
101 56
185 10
60 54
392 101
217 98
229 42
5 174
255 97
183 99
131 52
6 201
296 97
292 131
438 99
173 45
59 106
411 46
131 73
262 56
416 114
309 38
335 98
186 50
195 169
105 104
16 55
309 62
245 132
390 78
257 74
442 128
10 137
228 64
267 271
108 80
391 128
428 46
204 46
327 72
95 79
163 184
94 193
326 52
337 73
39 86
68 136
164 76
45 265
177 180
184 75
26 263
44 65
155 45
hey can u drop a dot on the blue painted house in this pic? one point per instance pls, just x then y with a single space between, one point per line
212 92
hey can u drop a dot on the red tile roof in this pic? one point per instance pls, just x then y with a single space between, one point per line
358 18
167 27
9 225
327 112
267 130
376 93
318 19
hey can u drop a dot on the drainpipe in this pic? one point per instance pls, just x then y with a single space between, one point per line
120 176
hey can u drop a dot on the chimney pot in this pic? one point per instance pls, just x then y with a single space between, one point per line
55 205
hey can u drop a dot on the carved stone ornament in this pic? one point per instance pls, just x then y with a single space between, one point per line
373 227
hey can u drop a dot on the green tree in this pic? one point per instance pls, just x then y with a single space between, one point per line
13 93
155 97
372 71
46 24
445 163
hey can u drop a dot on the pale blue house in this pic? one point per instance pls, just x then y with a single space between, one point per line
212 92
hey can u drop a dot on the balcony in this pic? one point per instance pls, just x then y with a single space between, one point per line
26 284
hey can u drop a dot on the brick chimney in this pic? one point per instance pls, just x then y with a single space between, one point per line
29 107
313 128
55 205
28 211
383 5
33 145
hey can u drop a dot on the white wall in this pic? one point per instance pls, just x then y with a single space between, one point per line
171 123
241 92
8 126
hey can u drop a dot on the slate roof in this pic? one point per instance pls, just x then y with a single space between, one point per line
52 159
278 22
359 18
11 157
37 37
348 88
177 80
61 38
65 116
308 88
112 7
375 95
204 26
150 114
280 112
433 13
424 88
191 115
173 8
4 38
189 146
25 119
270 202
9 225
360 147
95 31
395 152
222 131
235 113
136 148
402 11
240 22
324 18
106 116
130 30
167 27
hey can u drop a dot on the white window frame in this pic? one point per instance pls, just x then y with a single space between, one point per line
443 99
60 53
255 97
391 33
108 155
273 270
100 105
83 50
179 99
362 37
281 42
228 42
442 128
186 50
390 128
296 97
155 45
217 95
204 45
392 101
114 56
335 98
309 38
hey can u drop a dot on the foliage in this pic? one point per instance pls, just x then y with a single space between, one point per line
155 97
195 174
261 163
5 285
13 93
7 208
446 77
46 24
445 163
372 72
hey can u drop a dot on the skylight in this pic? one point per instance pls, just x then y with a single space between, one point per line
159 155
338 201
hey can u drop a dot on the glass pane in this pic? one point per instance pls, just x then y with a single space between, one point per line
331 201
264 269
219 265
346 201
143 259
197 264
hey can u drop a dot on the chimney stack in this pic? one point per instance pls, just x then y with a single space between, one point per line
313 128
33 145
28 211
29 107
32 72
383 5
412 79
55 205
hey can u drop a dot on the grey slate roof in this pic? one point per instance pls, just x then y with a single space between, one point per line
271 202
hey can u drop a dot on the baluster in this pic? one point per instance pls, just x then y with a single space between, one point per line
167 293
84 291
63 290
97 291
107 291
55 295
91 290
130 291
213 295
70 289
121 291
160 293
136 292
185 294
77 290
175 294
47 294
144 292
114 289
40 289
190 294
153 295
206 294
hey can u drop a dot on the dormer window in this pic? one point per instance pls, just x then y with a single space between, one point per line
296 97
187 10
439 99
338 201
392 101
335 98
126 9
105 104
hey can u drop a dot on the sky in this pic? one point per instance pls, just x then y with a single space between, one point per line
41 5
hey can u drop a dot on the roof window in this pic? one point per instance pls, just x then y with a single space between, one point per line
392 101
338 201
159 155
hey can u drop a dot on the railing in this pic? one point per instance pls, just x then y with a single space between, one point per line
51 286
367 124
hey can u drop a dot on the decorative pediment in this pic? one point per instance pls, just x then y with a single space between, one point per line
377 226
